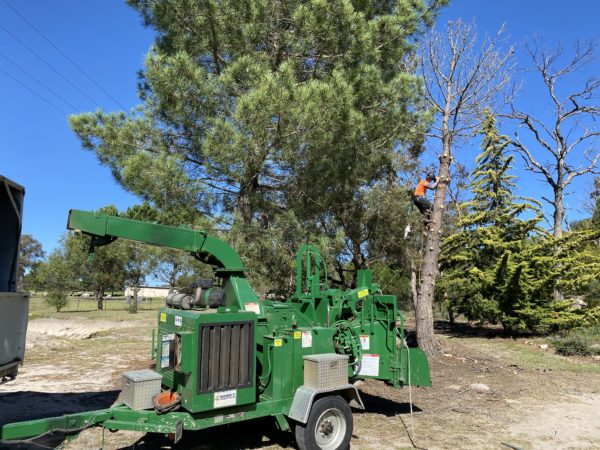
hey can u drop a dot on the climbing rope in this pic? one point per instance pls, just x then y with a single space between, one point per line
411 434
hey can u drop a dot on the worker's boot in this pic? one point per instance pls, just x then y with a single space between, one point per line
426 222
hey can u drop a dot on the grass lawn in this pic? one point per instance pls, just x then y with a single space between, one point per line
115 309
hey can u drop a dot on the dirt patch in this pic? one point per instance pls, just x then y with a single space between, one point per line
80 355
563 424
487 391
77 328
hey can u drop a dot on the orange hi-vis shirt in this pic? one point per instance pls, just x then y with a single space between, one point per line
421 188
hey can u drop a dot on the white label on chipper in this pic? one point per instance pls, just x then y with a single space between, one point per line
178 321
253 307
364 341
369 365
225 398
306 339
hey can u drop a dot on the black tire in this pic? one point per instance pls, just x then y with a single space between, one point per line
329 426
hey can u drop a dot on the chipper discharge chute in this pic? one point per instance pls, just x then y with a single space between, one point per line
223 355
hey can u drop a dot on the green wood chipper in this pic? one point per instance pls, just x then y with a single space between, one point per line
224 355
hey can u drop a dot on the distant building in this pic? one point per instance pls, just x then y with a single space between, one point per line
149 291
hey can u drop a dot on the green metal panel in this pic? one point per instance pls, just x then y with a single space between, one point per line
184 327
418 368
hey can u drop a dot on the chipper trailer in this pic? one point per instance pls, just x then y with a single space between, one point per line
223 355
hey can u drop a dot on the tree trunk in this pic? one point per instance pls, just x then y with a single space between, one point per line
173 276
559 211
413 284
134 306
244 208
99 298
559 214
246 197
424 310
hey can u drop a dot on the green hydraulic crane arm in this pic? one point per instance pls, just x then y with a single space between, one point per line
104 229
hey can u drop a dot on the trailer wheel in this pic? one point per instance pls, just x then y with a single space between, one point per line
329 426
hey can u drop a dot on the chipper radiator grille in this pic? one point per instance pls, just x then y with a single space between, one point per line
226 356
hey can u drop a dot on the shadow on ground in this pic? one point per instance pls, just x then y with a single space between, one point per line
23 406
29 405
252 434
385 406
463 329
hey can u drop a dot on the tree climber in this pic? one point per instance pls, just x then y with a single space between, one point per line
420 196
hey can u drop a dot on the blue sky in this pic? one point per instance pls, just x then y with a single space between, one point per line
106 39
553 22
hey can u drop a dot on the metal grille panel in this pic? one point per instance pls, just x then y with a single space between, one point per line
226 358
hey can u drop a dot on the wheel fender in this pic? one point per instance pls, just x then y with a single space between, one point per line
305 396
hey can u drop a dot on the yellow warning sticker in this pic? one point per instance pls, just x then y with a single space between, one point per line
297 334
278 342
363 293
163 317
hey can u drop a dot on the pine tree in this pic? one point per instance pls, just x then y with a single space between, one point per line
263 112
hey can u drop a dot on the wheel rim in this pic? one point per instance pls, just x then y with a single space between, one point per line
330 429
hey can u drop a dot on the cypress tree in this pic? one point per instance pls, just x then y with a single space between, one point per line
481 274
501 267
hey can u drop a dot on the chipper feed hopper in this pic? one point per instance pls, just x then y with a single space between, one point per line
223 355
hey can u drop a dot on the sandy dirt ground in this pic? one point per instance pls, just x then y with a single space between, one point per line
489 392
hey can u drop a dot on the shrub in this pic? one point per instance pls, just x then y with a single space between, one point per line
57 299
132 305
580 341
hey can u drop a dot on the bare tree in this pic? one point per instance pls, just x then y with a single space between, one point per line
463 76
568 146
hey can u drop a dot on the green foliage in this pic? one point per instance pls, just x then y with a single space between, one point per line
56 278
269 251
163 263
100 272
257 112
57 299
591 316
590 287
580 341
110 267
502 268
31 254
483 274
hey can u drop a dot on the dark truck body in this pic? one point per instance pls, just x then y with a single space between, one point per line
14 305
